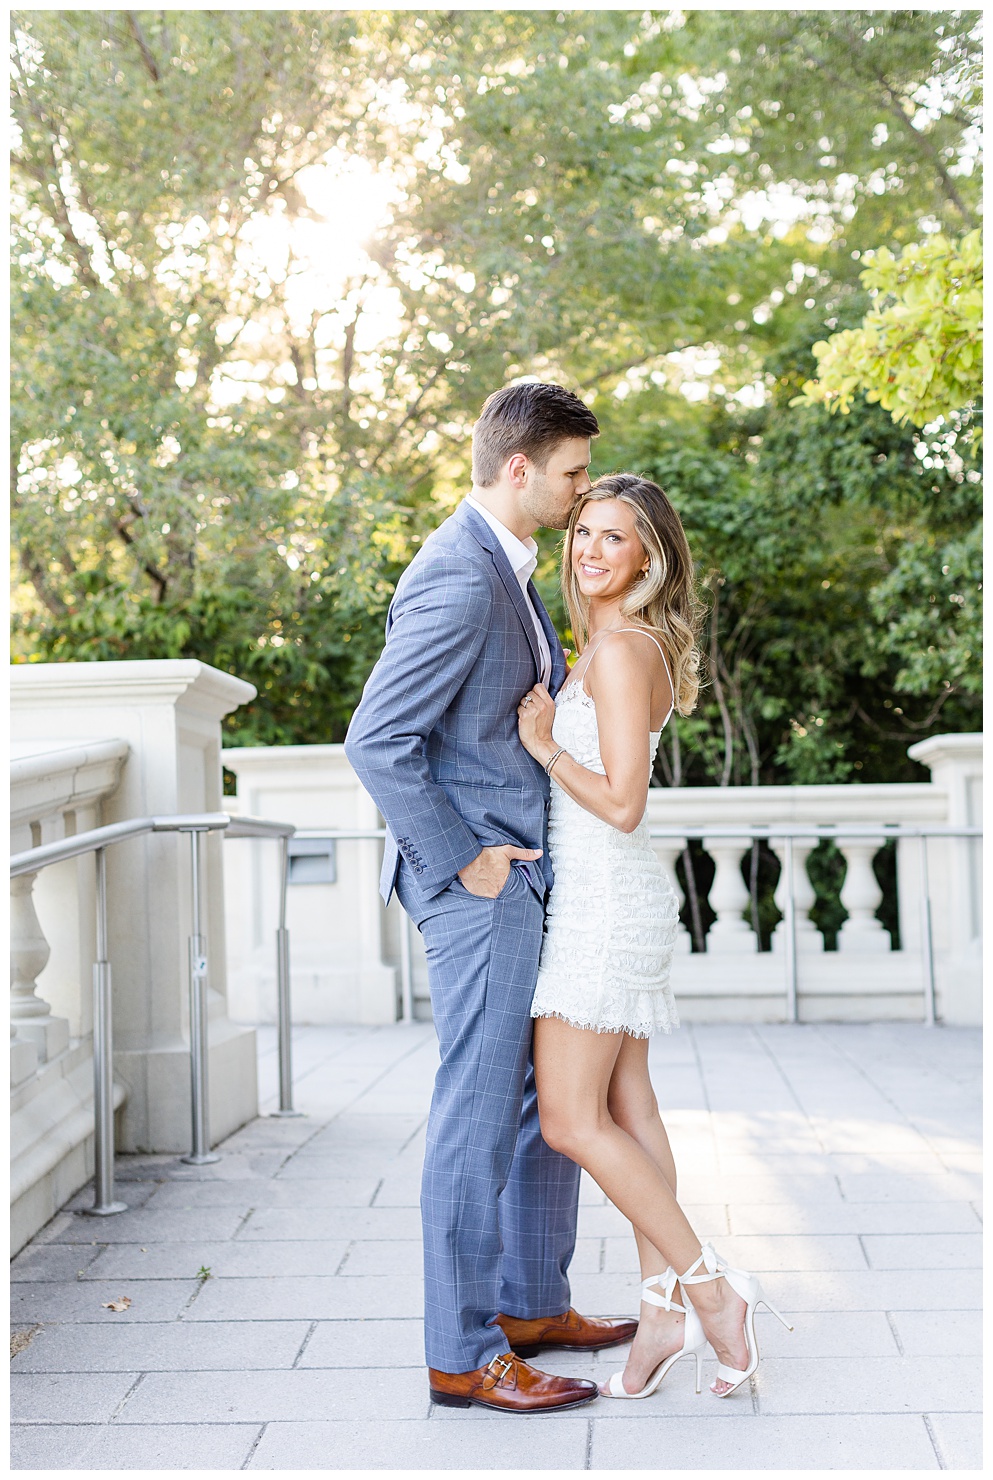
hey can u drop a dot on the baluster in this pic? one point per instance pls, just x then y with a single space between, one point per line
729 897
668 850
30 1014
808 937
861 896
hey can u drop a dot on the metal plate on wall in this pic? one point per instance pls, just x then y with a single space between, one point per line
312 861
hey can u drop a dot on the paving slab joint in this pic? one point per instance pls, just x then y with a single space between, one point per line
134 1386
934 1441
244 1220
254 1445
304 1343
201 1283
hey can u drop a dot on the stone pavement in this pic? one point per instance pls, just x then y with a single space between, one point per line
275 1296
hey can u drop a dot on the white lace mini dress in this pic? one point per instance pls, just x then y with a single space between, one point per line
613 915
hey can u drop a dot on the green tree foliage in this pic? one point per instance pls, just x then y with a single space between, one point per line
231 433
871 115
826 538
919 352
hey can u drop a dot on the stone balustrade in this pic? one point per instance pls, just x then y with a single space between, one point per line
104 742
57 790
93 744
346 947
865 977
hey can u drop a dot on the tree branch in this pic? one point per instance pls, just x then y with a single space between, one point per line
929 147
151 66
52 187
909 724
891 102
655 354
152 571
412 409
715 676
35 572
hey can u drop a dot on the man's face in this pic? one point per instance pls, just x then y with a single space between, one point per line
551 493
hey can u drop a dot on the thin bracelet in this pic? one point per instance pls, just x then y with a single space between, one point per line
550 764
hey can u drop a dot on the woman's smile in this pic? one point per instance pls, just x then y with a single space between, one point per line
607 554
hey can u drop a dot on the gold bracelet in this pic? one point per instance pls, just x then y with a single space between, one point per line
548 768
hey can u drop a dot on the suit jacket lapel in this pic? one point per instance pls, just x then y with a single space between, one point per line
558 674
481 531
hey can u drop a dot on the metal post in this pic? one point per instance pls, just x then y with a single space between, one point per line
283 1018
406 971
103 1062
927 947
789 923
201 1153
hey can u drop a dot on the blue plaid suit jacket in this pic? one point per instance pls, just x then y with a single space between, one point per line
434 740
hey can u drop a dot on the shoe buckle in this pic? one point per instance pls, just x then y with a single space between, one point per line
499 1367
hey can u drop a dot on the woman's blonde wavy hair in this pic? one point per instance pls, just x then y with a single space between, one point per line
663 599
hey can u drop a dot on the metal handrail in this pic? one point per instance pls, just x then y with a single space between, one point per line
117 832
786 832
96 841
258 827
375 834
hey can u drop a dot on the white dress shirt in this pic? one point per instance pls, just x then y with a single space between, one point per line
523 557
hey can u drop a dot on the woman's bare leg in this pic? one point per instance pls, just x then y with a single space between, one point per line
574 1068
632 1105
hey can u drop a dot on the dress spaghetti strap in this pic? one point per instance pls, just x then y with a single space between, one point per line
665 660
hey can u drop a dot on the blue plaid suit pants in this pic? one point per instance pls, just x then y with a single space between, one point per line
498 1205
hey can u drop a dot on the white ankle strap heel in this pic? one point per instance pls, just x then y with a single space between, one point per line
750 1290
694 1340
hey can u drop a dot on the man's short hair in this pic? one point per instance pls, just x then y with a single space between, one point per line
532 418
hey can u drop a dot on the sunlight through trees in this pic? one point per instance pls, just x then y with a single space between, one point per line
267 265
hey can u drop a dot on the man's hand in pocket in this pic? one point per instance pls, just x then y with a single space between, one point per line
487 874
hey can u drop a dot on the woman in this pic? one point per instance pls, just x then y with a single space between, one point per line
603 982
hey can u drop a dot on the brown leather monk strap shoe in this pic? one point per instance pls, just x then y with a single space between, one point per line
510 1386
571 1332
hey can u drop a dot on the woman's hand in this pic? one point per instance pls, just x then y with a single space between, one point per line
535 714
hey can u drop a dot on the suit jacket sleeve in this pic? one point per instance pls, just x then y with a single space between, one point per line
437 625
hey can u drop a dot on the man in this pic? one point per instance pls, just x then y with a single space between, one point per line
435 743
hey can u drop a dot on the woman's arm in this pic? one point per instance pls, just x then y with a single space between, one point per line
621 685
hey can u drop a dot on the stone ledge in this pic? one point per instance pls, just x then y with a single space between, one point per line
49 778
52 1145
140 682
79 1051
866 802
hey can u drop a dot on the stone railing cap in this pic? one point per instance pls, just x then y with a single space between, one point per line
967 746
31 759
145 679
237 756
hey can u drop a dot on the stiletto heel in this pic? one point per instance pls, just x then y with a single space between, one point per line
694 1341
750 1290
777 1313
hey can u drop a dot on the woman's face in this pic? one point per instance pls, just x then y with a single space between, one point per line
607 555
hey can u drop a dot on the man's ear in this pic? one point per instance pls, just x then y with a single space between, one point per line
517 469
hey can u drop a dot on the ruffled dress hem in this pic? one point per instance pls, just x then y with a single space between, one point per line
644 1030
